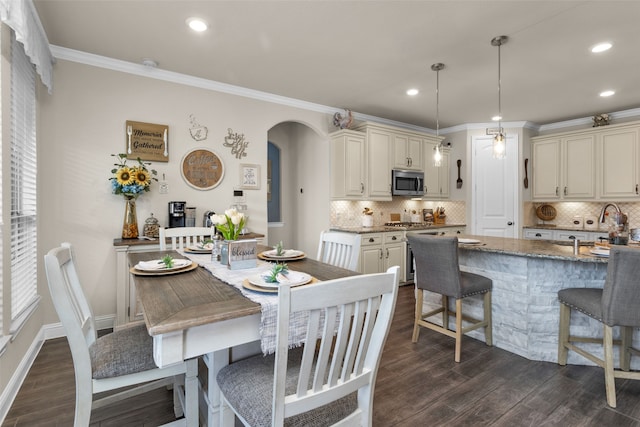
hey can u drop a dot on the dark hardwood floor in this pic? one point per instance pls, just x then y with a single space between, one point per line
417 385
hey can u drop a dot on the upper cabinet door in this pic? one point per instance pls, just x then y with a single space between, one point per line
545 169
579 167
619 154
407 152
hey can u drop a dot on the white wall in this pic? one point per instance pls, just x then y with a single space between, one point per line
83 122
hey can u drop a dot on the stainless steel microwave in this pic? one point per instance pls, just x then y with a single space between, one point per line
407 183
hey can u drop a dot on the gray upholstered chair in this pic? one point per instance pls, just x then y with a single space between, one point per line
324 384
116 360
618 304
437 270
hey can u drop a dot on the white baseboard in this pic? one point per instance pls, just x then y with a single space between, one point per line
50 331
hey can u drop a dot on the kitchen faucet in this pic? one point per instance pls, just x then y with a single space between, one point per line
604 209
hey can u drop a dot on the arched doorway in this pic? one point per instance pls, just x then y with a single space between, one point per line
304 186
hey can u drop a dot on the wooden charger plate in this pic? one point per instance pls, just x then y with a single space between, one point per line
137 272
248 285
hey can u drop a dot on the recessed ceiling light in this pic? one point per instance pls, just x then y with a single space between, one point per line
601 47
197 24
606 93
413 92
496 118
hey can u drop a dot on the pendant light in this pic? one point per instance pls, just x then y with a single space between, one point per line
437 155
499 139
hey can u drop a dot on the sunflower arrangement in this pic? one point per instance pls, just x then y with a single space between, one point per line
131 181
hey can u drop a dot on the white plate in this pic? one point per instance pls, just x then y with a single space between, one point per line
287 253
600 252
295 277
158 265
468 241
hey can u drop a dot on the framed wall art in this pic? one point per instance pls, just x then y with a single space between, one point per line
147 141
202 169
250 177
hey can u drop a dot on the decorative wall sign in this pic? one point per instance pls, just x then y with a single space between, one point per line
197 131
147 141
250 177
202 169
237 143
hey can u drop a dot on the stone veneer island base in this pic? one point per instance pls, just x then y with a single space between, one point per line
527 275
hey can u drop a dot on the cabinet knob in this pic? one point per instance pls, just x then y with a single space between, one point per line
362 187
556 191
636 188
380 253
572 237
538 235
370 239
510 223
565 191
394 238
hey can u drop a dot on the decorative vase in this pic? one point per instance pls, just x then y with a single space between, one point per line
130 223
224 252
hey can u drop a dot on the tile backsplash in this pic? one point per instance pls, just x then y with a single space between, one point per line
346 213
566 211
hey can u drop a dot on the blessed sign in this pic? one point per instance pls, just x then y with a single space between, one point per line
243 254
147 141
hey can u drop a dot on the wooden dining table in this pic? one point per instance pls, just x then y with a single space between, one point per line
193 313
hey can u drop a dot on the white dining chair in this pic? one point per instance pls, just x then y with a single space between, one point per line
329 381
183 237
119 359
339 249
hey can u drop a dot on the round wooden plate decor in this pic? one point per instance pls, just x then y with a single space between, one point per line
202 169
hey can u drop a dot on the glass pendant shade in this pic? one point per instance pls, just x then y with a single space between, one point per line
499 146
437 156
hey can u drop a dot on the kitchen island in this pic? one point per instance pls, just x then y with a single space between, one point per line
527 275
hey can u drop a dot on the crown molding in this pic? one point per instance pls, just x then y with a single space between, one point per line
72 55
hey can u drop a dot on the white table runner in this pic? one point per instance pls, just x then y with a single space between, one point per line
268 302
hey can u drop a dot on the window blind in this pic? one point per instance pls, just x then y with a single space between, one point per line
23 182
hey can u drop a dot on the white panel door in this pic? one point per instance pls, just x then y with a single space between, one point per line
494 200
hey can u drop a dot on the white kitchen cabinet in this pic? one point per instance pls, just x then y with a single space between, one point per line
601 163
539 234
547 234
378 166
379 251
407 152
564 167
618 151
348 163
436 179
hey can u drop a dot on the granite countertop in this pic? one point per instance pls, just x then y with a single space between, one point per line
549 249
567 227
386 228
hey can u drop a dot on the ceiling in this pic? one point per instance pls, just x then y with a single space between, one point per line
364 55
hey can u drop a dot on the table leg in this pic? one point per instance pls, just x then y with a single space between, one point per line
215 417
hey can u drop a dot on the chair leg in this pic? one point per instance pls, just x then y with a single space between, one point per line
445 311
626 335
418 315
458 329
609 378
563 334
488 330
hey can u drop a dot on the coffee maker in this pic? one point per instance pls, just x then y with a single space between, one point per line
177 214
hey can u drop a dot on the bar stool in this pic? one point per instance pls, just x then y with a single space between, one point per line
618 304
437 270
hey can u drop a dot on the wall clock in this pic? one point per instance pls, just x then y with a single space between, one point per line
202 169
